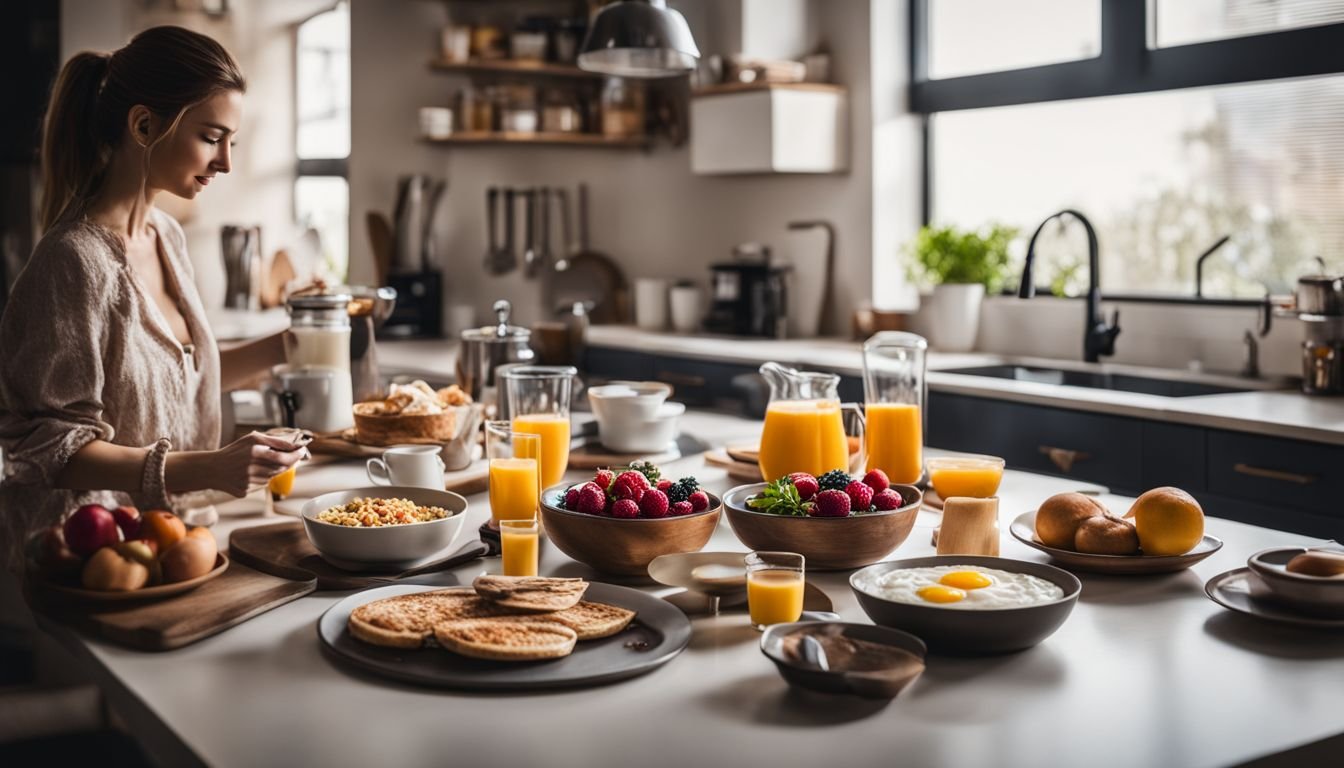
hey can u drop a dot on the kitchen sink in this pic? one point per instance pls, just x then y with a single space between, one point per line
1120 382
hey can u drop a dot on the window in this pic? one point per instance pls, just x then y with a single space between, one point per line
1178 22
322 88
1165 149
968 37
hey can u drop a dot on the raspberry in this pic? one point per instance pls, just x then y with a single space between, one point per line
629 485
625 508
592 499
860 496
830 504
806 484
654 503
699 501
572 498
681 508
835 480
604 478
877 480
664 485
888 499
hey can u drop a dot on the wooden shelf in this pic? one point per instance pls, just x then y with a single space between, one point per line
725 88
467 138
511 67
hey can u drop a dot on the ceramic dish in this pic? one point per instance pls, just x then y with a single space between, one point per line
1321 596
1024 530
882 682
1239 590
655 433
619 546
970 632
720 574
392 547
148 593
828 543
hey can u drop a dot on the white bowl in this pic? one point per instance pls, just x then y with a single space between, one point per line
639 435
628 401
392 547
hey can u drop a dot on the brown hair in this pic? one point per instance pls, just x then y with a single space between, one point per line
167 69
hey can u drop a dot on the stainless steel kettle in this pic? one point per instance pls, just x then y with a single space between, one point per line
485 349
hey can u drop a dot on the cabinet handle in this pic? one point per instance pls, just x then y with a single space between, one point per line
1273 474
1063 458
680 379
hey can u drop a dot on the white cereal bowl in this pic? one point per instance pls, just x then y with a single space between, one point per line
386 548
628 401
642 435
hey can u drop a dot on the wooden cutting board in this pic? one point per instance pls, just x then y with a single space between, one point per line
737 470
592 455
239 594
283 549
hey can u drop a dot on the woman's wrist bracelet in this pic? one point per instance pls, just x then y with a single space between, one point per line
153 486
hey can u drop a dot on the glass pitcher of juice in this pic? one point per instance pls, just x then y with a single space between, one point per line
804 424
537 397
894 393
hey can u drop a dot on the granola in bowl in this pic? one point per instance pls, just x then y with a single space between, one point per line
376 513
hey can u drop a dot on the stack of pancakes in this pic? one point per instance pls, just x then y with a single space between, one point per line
503 618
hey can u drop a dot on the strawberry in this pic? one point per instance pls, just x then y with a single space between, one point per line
877 480
681 508
806 484
830 504
625 508
860 496
592 499
629 485
603 478
888 499
654 503
664 485
572 497
699 501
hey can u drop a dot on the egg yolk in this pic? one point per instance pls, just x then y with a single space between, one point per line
966 580
938 594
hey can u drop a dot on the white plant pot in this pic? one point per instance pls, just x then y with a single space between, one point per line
953 316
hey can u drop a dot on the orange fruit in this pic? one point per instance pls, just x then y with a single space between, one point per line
1169 521
163 527
282 484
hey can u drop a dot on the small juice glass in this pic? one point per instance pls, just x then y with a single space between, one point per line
515 479
519 540
774 588
974 476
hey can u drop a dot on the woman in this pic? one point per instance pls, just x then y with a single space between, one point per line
111 380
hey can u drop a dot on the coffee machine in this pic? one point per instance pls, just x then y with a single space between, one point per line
749 295
1320 307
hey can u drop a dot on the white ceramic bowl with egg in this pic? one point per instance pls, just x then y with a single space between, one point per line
966 604
384 548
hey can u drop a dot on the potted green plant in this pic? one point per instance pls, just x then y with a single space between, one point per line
960 265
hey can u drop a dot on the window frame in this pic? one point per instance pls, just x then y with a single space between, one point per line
1126 65
315 166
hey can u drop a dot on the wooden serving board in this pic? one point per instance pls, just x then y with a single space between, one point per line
737 470
283 549
239 593
592 455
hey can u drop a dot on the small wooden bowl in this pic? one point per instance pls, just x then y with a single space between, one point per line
623 547
827 543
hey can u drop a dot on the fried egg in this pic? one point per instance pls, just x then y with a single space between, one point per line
963 587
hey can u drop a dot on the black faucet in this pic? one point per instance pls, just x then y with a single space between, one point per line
1098 335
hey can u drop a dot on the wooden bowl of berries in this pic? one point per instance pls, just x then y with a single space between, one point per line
623 518
835 521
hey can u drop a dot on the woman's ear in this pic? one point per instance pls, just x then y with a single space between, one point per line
142 125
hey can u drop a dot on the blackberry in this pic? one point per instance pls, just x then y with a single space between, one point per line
682 489
835 480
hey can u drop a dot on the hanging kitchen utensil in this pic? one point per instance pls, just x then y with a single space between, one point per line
591 276
567 244
508 254
495 261
529 233
543 213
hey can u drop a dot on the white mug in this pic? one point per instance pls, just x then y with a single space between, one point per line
413 465
685 301
313 397
650 303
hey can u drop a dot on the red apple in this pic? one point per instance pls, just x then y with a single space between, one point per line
90 528
54 558
128 520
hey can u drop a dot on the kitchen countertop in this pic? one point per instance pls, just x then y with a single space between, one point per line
1147 671
1280 413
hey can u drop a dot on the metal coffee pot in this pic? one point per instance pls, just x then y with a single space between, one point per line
485 349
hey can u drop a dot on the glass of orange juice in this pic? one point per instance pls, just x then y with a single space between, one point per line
536 398
894 394
966 475
774 588
515 476
519 540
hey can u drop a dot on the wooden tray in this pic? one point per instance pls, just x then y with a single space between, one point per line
283 549
590 454
659 632
237 595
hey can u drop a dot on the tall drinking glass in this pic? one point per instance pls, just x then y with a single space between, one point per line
515 480
894 393
538 397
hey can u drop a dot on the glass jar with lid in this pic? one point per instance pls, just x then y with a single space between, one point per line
622 108
319 331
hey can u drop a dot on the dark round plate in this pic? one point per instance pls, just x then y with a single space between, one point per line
659 632
1235 590
1024 530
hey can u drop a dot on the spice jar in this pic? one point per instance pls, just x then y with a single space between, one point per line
622 109
560 112
476 109
520 111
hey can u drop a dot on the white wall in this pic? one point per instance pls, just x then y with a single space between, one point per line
650 213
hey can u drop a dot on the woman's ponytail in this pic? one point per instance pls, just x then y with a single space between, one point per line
74 150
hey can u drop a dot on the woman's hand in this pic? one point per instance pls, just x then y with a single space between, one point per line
250 461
